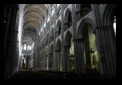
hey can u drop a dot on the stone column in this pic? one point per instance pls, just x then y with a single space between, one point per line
47 63
9 23
62 38
45 58
107 51
50 61
66 58
79 56
106 44
41 62
57 60
87 52
35 52
27 59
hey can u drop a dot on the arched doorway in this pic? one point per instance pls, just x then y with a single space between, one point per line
91 56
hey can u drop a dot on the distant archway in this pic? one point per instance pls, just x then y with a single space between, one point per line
90 51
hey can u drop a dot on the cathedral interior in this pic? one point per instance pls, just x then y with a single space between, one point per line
59 41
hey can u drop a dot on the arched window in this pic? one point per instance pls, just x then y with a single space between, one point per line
85 9
58 29
24 46
69 20
52 35
47 39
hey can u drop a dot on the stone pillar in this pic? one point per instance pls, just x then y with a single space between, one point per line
35 52
79 56
50 61
10 39
106 44
45 58
47 63
62 38
87 52
41 62
57 60
107 51
27 62
32 61
66 58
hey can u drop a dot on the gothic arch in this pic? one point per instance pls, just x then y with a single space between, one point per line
108 14
69 55
51 48
52 35
58 45
109 39
85 9
58 28
108 19
67 19
81 28
47 50
67 38
47 37
89 45
58 57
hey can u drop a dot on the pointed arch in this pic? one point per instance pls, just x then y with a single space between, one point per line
108 14
52 48
68 19
58 28
58 45
68 38
81 29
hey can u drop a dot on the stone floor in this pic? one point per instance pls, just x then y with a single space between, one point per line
23 74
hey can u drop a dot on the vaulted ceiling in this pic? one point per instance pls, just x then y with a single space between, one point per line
34 15
33 19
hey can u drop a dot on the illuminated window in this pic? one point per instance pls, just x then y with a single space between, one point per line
48 18
44 25
114 25
24 46
53 11
58 5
